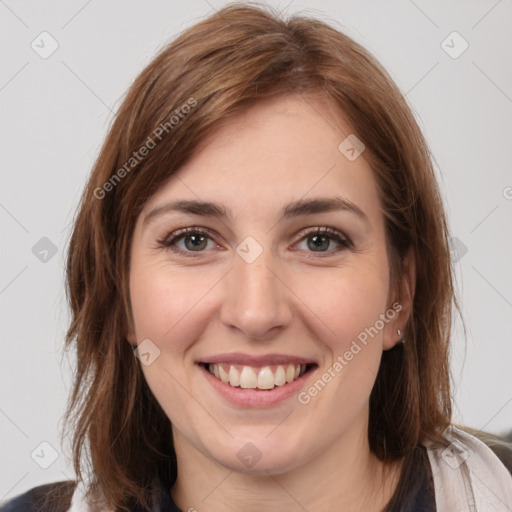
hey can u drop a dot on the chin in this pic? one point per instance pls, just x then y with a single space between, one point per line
258 456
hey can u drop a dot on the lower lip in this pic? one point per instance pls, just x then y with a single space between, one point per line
256 398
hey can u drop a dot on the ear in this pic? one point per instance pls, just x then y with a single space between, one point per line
400 302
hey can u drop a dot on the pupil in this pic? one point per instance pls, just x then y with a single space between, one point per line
319 238
196 240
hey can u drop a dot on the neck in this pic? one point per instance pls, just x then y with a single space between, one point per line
346 477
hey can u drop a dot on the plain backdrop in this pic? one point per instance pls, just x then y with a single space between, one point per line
55 112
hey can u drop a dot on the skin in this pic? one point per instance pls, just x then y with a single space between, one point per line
292 299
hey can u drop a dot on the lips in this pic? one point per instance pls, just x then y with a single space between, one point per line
258 372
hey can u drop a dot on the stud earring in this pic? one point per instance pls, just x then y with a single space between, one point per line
400 335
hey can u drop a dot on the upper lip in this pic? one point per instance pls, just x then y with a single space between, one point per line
256 360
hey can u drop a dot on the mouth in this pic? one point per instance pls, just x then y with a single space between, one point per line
262 377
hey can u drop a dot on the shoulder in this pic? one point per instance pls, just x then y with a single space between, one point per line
468 443
53 497
502 447
471 467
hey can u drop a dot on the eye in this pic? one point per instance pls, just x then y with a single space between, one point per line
321 240
188 240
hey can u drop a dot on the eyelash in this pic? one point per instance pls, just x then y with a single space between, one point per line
169 240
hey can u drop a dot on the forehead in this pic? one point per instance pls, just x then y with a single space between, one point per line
275 152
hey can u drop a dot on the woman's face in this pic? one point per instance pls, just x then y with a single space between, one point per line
262 289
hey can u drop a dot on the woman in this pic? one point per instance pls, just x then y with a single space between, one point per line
261 290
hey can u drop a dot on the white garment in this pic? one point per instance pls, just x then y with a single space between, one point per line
468 477
78 503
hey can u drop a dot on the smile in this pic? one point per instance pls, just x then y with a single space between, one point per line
264 377
256 381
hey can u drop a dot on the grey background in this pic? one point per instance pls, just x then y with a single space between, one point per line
55 112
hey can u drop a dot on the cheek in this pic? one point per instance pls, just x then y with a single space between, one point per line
169 309
164 300
346 302
349 305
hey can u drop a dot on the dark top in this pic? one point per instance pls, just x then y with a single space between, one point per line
419 493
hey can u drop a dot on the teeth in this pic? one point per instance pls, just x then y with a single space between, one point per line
290 373
234 376
280 376
248 377
265 378
224 376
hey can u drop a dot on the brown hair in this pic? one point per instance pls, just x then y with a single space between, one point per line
218 67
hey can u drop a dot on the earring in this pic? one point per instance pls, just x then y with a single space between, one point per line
400 336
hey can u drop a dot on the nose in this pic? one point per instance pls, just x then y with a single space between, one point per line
256 301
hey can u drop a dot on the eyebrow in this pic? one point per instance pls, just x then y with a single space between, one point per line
295 209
